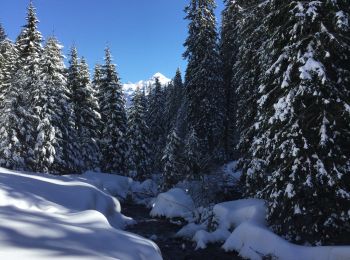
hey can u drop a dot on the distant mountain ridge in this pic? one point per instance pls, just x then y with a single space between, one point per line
129 88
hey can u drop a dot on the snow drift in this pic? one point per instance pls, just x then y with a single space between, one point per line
51 217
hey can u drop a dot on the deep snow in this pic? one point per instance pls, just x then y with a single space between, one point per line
51 217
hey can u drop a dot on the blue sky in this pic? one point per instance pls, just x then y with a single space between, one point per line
145 36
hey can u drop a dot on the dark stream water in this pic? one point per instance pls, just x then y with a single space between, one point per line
162 232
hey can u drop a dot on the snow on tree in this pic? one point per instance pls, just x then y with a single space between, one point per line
156 123
203 79
46 109
10 147
57 108
97 78
21 122
86 112
229 47
174 94
138 137
88 122
3 35
114 121
193 158
301 148
247 71
172 161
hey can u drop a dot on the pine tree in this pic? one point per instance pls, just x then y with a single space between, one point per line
97 79
248 72
73 85
10 147
172 161
174 95
22 122
229 47
203 82
3 35
89 118
156 123
194 160
138 137
58 108
301 149
114 121
46 109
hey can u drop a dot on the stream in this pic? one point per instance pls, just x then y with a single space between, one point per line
162 232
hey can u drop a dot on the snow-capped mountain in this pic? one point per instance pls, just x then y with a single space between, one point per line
129 88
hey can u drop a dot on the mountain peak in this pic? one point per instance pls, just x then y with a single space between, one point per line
129 88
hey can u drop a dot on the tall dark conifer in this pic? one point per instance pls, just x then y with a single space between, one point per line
172 161
229 47
88 122
25 83
301 148
3 35
203 79
114 120
156 123
138 138
10 147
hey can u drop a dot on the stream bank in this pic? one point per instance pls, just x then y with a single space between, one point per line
162 232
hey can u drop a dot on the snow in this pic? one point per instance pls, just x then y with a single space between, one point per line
254 241
232 213
144 192
202 237
117 186
311 66
173 203
55 217
189 230
241 225
129 88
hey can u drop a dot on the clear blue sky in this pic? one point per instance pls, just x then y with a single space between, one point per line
146 36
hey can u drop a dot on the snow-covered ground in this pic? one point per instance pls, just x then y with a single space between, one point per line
69 217
79 216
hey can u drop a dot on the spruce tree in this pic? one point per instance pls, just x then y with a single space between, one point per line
3 35
203 82
10 147
138 137
156 123
97 78
229 47
174 95
194 159
47 110
58 108
73 85
301 148
172 161
248 69
88 122
23 94
114 121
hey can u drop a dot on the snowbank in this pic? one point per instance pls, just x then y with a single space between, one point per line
251 237
51 217
118 186
173 203
254 241
233 213
144 192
